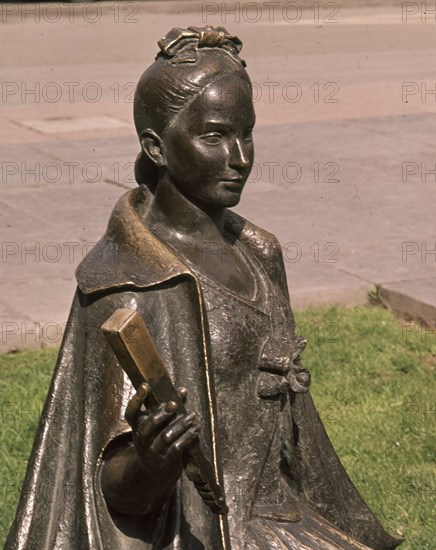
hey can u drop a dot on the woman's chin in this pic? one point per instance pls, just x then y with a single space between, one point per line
226 199
231 198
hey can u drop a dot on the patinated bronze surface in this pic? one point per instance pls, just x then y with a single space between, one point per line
113 466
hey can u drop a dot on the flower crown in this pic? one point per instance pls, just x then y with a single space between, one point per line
182 45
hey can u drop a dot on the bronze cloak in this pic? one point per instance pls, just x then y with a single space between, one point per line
61 504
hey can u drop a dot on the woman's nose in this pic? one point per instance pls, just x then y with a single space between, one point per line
240 154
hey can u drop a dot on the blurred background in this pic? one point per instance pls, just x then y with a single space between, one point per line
344 175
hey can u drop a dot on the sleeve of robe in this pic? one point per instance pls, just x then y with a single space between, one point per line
61 503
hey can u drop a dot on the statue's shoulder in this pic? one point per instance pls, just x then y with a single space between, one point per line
128 255
263 243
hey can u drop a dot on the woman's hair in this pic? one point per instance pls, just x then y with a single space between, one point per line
188 62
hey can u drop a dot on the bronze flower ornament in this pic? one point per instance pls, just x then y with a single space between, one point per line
182 45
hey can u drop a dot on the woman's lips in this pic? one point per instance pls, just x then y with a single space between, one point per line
234 185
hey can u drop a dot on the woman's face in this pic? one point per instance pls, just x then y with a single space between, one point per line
209 147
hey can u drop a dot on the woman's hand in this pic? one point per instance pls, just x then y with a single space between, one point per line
161 436
138 478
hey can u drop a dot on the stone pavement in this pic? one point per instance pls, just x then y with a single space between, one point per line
344 172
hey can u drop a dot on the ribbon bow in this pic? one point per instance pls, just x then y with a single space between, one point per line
182 45
281 368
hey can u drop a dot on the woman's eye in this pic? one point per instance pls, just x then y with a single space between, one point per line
213 138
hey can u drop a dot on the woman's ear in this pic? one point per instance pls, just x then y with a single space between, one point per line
152 146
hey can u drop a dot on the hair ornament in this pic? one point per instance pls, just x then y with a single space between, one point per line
182 45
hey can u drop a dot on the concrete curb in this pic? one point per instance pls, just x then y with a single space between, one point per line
412 299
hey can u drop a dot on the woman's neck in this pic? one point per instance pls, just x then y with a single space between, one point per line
198 236
175 218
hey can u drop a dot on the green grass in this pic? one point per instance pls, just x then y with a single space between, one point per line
24 381
373 380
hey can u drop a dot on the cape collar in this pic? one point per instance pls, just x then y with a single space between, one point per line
130 255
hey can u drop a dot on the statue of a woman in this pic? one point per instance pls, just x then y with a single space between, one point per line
212 290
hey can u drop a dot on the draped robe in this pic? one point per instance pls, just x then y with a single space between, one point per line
62 504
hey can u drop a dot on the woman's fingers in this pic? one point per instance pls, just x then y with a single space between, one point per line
158 432
134 406
183 392
185 442
149 424
172 435
177 428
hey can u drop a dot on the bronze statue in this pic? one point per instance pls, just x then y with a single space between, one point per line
211 289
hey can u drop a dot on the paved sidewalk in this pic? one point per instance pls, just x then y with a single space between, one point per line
344 172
